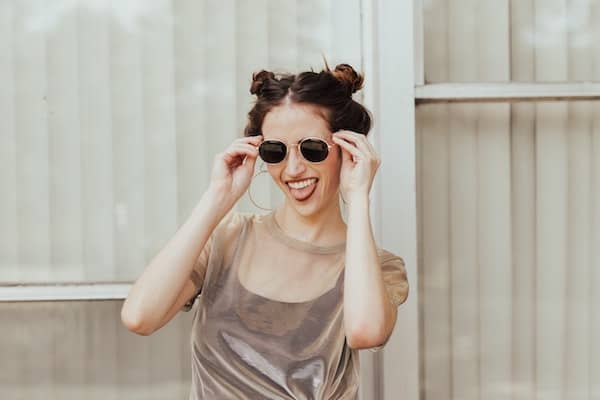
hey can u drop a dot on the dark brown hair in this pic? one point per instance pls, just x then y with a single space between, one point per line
331 90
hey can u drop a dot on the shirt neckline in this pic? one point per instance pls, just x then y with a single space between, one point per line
297 303
276 230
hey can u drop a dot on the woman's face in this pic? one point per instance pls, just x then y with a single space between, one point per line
310 188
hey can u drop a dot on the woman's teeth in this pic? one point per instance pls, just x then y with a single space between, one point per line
302 184
302 190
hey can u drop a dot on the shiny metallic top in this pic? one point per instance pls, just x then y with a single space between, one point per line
268 321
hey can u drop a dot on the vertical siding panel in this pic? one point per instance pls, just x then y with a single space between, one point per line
551 187
312 33
436 35
160 192
64 151
552 219
435 276
128 138
524 257
494 44
133 365
31 142
69 354
594 330
495 251
577 340
183 324
251 58
494 206
594 283
221 50
283 32
11 365
9 239
464 264
96 143
522 24
101 350
523 206
462 39
165 353
463 175
342 40
194 153
35 348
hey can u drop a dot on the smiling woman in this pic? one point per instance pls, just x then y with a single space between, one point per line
272 320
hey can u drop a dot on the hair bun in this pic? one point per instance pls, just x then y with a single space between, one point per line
349 77
258 81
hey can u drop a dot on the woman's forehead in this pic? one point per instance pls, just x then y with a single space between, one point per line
294 122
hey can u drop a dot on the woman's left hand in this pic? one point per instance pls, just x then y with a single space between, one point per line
359 164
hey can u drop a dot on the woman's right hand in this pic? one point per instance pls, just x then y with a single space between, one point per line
233 168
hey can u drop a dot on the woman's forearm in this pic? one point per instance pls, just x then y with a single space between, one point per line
368 311
159 285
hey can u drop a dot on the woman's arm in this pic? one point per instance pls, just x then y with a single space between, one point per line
369 314
157 289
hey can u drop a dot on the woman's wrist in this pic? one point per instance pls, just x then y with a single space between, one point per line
357 201
218 200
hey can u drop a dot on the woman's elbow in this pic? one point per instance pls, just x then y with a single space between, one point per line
133 321
365 337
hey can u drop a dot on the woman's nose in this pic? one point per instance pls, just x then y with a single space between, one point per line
295 163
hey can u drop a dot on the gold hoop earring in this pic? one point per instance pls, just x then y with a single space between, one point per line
260 171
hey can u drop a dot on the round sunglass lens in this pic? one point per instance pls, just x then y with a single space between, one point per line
272 151
314 150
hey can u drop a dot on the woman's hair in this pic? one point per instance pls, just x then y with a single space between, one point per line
331 90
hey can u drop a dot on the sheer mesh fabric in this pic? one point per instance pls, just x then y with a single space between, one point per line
269 318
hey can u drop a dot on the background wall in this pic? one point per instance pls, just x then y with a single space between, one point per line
509 199
111 113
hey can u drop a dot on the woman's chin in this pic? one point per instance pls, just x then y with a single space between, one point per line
309 208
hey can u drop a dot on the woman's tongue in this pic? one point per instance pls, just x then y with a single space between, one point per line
303 193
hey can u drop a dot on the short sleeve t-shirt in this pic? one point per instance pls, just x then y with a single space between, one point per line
284 338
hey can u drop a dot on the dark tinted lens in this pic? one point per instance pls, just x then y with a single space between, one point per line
314 150
272 151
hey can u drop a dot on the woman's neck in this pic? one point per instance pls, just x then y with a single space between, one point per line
327 228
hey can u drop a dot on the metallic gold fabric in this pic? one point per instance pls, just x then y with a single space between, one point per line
269 318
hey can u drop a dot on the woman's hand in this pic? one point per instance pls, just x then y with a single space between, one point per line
233 168
359 164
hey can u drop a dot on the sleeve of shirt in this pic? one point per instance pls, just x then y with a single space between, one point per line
396 282
394 277
224 234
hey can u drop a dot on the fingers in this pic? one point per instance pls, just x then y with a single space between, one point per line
357 139
242 148
351 151
362 147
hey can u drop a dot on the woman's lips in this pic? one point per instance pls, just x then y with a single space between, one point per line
304 192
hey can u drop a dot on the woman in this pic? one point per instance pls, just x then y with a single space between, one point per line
272 320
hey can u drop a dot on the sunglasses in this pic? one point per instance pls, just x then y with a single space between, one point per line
313 149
